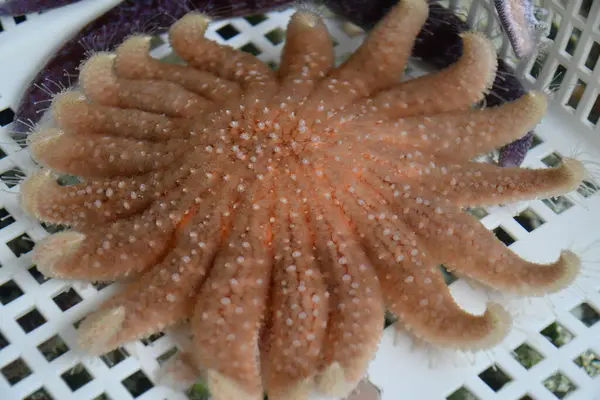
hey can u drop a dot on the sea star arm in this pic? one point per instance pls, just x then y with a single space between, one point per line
231 304
187 39
354 326
457 87
133 61
378 63
380 60
518 20
97 156
119 249
458 135
476 252
307 56
94 202
299 305
74 113
415 291
412 288
101 85
479 184
166 294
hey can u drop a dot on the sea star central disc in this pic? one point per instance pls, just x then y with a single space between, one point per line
283 211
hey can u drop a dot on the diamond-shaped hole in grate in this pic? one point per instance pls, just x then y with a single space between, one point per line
77 377
251 48
552 160
20 138
557 334
228 31
536 141
166 355
12 177
593 56
503 236
589 362
152 338
52 228
477 212
584 9
586 314
558 204
40 394
20 19
5 218
529 220
101 285
255 19
536 68
16 371
78 322
573 41
449 277
462 394
555 26
594 114
495 377
102 396
32 320
67 299
560 385
6 116
20 245
275 36
114 357
557 79
37 275
577 94
526 355
3 341
199 391
9 291
588 188
53 348
137 383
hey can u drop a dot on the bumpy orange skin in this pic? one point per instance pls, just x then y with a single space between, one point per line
282 211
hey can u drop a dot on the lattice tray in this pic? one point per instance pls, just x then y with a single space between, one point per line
554 350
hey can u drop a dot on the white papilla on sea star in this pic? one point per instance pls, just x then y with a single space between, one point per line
282 211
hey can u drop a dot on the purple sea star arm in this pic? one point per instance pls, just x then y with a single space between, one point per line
20 7
518 21
514 153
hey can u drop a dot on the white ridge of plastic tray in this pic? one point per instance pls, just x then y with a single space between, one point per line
28 372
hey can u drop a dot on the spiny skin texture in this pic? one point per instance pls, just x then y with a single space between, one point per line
440 45
282 212
519 22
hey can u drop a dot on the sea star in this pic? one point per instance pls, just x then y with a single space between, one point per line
283 211
519 21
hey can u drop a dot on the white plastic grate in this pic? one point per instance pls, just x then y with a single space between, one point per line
542 355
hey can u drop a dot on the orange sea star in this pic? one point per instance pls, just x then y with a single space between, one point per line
283 211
